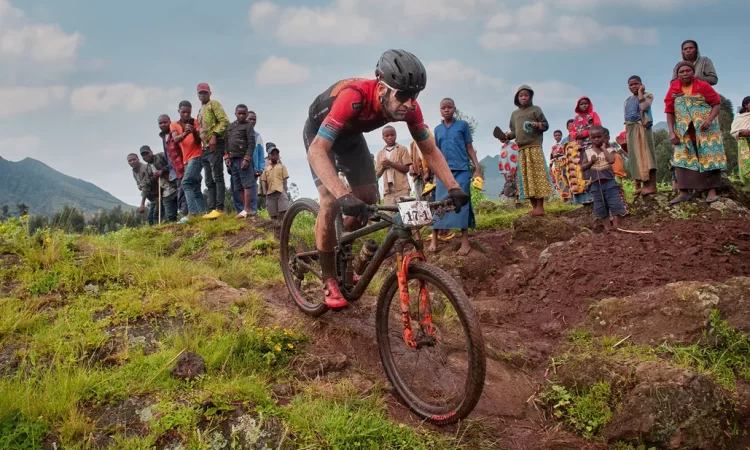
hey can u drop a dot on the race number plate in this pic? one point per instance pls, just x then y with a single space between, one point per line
415 214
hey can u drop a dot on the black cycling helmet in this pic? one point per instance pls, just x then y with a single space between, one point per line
401 70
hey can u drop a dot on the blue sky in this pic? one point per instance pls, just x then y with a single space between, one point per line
83 81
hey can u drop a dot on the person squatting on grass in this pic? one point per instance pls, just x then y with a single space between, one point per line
604 190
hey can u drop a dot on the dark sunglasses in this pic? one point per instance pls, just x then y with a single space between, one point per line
402 96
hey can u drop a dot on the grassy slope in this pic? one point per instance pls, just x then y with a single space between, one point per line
67 304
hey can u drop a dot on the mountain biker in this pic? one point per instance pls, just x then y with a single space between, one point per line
333 135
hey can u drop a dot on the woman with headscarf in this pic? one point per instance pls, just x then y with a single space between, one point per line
698 157
741 132
704 67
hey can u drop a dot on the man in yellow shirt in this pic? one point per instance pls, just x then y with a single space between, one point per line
274 181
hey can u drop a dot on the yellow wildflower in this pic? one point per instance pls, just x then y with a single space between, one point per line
277 348
275 327
290 346
48 240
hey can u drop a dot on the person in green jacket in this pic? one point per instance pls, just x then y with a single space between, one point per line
213 123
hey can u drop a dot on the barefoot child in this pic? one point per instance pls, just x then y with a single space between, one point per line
453 139
527 123
604 190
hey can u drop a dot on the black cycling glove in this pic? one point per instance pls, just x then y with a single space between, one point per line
459 197
354 207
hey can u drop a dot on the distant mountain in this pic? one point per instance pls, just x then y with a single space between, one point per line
661 126
45 190
494 181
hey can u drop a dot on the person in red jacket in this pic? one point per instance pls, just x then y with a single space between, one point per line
584 119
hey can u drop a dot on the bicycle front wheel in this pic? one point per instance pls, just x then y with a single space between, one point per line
441 379
299 260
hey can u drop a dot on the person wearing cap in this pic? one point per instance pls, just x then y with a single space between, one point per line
160 170
239 158
144 179
274 180
213 124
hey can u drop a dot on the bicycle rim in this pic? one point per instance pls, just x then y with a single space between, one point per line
441 380
298 235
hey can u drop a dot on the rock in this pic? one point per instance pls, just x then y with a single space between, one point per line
91 289
676 313
189 366
543 230
551 249
320 366
727 206
672 408
582 371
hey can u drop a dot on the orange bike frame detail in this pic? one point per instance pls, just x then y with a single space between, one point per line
402 262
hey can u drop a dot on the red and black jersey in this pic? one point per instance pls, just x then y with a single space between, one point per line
351 107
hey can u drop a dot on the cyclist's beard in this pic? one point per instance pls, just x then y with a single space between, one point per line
391 113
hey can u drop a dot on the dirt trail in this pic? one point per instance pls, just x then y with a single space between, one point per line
528 298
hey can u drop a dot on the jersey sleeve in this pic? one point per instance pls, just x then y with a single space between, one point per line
347 106
415 121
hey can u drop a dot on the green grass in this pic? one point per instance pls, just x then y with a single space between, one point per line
586 410
722 352
74 315
503 217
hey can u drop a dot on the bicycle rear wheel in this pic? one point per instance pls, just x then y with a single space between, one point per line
442 379
298 258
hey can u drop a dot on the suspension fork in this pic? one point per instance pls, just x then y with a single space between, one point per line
402 264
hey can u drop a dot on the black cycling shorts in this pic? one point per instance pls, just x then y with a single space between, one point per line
349 153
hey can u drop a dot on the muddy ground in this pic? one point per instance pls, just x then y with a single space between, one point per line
531 286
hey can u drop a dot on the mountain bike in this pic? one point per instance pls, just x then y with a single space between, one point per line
429 338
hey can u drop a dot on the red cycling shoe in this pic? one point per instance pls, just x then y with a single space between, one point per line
333 297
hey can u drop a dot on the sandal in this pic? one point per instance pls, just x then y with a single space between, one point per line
680 199
712 198
447 237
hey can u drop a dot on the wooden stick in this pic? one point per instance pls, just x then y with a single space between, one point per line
622 340
159 205
634 232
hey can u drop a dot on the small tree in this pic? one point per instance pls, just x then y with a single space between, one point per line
23 209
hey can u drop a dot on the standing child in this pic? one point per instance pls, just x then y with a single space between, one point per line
392 164
618 168
559 167
585 118
604 189
527 123
453 139
274 181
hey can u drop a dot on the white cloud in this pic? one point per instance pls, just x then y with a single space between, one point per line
554 92
102 98
26 45
451 72
277 70
16 148
351 22
21 100
536 27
